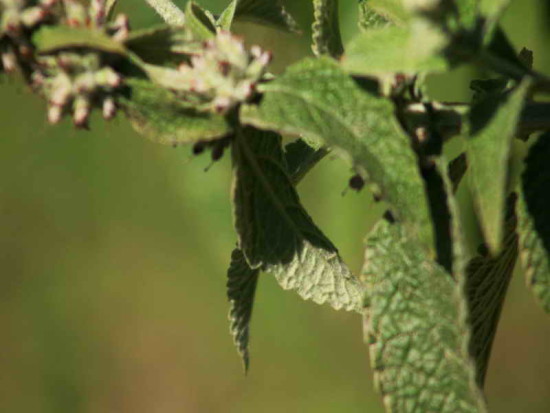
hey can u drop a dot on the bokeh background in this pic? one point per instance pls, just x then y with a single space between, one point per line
113 252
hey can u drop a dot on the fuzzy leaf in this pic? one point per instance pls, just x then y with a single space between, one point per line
50 39
326 29
270 12
395 49
315 98
368 18
492 126
487 280
275 232
159 115
534 221
415 324
241 287
199 21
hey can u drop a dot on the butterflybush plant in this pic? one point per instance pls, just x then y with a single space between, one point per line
430 307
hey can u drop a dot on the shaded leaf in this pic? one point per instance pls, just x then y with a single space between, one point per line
162 44
199 21
326 29
487 280
241 287
315 98
270 12
415 324
275 232
159 115
492 124
301 157
49 39
534 220
457 169
395 49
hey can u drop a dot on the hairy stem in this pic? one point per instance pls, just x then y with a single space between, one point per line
169 12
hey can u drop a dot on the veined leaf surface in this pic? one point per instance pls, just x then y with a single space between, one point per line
315 98
415 324
275 232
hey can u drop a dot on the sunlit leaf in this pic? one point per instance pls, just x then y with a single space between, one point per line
415 324
493 124
326 29
315 98
395 49
160 116
534 221
275 232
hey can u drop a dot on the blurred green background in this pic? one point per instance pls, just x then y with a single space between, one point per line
113 252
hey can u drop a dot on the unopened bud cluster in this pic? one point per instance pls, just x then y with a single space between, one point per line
95 16
75 82
224 73
17 19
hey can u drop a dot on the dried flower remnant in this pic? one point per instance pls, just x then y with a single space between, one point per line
224 73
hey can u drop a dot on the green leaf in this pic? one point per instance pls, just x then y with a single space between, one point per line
159 115
314 98
491 11
392 10
50 39
467 13
241 287
370 19
169 12
270 12
275 232
160 45
326 29
493 124
415 324
487 280
534 220
199 21
300 157
395 49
